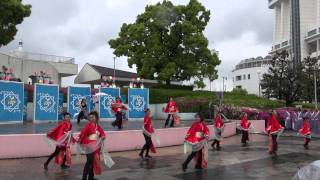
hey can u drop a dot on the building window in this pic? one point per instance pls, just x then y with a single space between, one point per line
248 76
244 77
238 78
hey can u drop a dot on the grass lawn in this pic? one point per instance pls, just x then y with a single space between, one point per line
161 95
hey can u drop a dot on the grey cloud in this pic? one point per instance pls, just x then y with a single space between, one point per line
81 28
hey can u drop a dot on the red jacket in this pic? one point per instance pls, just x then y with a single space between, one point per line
197 132
89 129
171 107
273 125
117 106
305 130
62 128
147 124
244 123
218 123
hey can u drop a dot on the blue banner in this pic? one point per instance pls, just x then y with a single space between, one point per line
107 97
60 108
138 101
75 95
11 101
46 102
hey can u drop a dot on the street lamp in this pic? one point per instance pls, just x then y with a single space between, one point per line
259 82
315 89
114 66
223 78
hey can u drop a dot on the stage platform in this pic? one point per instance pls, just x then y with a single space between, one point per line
44 127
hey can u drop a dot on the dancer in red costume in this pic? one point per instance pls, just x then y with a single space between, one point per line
148 131
245 126
91 141
172 110
61 136
118 109
306 132
218 127
274 130
197 141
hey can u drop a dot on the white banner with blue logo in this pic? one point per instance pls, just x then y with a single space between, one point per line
138 101
106 98
11 101
46 102
75 96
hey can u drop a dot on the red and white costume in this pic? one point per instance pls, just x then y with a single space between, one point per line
148 130
172 109
196 140
91 140
218 127
118 107
61 136
305 130
245 125
274 129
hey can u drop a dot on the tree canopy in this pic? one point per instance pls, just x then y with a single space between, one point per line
168 40
282 80
12 13
291 83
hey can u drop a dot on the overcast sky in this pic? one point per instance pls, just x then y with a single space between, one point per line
238 29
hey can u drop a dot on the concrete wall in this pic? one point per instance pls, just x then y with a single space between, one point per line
34 145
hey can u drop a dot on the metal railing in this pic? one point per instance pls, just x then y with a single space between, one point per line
42 57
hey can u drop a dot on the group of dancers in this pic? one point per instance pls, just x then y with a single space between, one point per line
91 138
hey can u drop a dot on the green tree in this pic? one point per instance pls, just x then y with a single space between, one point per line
282 80
12 13
310 67
169 40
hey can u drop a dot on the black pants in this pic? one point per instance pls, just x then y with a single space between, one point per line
54 154
307 140
81 116
168 119
215 141
274 143
118 121
245 137
146 147
191 156
88 168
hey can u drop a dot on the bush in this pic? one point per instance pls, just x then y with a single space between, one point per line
239 91
172 86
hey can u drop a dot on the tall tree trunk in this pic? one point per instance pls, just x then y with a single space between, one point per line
168 82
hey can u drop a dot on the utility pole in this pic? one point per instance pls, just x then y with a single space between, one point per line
114 67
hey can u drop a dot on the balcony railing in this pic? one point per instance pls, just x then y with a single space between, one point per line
42 57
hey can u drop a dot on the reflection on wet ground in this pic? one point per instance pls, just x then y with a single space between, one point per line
233 162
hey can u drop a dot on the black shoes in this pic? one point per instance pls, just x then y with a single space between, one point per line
184 167
141 155
45 166
148 157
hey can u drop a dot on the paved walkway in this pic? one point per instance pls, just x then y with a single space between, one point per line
233 162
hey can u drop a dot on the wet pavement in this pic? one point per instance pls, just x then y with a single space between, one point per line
233 162
44 127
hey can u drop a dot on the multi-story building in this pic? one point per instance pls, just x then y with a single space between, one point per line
27 67
248 73
297 27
